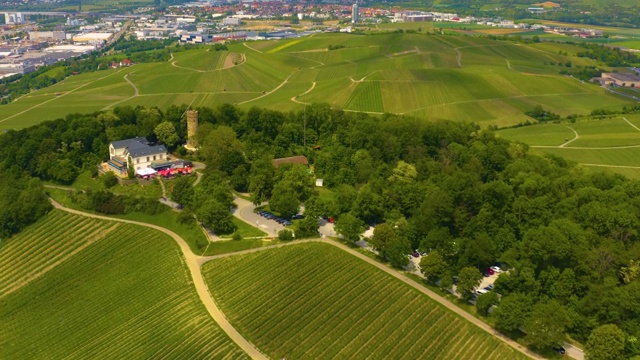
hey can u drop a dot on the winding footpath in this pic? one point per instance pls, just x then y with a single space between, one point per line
193 263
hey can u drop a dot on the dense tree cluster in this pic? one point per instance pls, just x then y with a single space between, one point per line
610 56
22 202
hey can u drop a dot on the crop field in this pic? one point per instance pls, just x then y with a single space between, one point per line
74 287
602 144
315 301
427 76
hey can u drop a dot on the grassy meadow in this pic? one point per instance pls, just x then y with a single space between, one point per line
74 287
427 76
316 301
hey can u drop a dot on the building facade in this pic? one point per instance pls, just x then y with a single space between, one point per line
136 153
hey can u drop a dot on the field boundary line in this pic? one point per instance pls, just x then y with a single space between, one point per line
496 99
249 47
612 166
629 122
444 302
572 140
193 263
586 147
57 97
268 93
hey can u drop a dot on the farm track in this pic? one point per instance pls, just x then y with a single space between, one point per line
249 47
193 263
629 122
295 98
572 140
268 93
402 278
136 93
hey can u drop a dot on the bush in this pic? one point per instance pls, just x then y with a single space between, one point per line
236 236
285 235
186 216
109 179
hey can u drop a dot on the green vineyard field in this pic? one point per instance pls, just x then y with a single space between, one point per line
77 288
313 301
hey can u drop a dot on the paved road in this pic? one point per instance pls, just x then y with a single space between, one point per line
574 352
193 263
244 212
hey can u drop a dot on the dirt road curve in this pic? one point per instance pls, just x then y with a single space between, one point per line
193 263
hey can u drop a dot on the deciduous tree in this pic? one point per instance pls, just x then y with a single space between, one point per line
468 279
606 342
350 227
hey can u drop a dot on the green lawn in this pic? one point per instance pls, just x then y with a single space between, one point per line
315 301
74 287
246 230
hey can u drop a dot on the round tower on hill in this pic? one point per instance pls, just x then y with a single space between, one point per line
192 128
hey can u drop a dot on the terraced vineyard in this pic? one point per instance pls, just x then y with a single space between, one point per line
431 77
74 287
315 301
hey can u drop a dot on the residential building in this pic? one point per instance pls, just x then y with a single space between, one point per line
136 153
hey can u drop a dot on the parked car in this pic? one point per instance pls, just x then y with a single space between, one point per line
287 223
486 274
496 269
415 254
560 350
481 291
297 217
455 280
489 287
490 271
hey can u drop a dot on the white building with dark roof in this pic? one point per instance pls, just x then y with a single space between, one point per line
135 152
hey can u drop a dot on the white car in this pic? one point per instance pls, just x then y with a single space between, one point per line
496 269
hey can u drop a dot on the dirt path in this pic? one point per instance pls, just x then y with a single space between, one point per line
249 47
164 189
295 98
135 88
193 263
629 122
135 94
572 140
446 303
268 93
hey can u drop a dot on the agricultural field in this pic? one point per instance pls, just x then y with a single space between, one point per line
73 287
426 76
599 144
315 301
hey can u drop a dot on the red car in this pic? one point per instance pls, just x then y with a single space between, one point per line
490 271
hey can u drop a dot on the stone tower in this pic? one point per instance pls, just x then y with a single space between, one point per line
192 128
